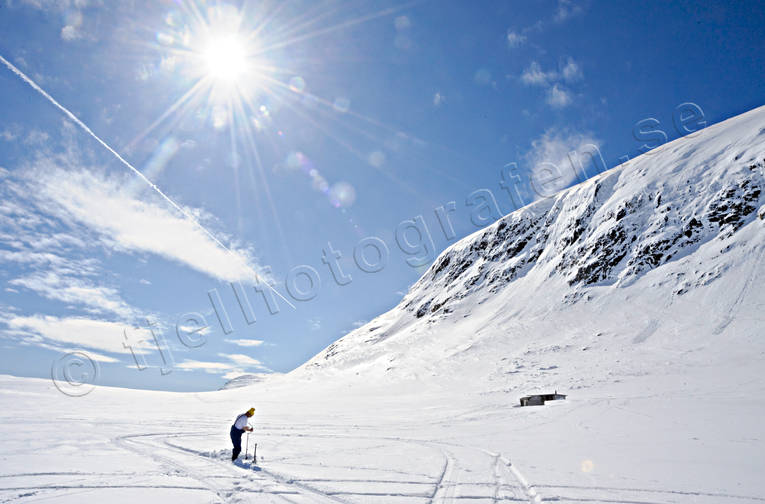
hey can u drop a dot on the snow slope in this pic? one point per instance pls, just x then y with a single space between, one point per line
655 259
246 380
639 293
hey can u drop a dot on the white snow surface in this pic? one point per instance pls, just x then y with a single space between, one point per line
639 293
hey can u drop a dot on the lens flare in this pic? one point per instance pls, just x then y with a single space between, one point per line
297 84
342 194
342 105
376 159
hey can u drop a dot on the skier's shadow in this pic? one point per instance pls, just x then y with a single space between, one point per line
246 464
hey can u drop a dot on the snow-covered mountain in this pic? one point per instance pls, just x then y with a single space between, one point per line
656 258
246 380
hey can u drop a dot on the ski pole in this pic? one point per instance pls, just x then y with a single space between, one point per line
255 455
247 449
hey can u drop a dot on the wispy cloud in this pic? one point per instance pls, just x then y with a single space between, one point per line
196 330
44 256
208 367
76 291
70 32
242 360
77 332
69 10
566 9
129 224
10 133
52 5
535 76
58 221
245 342
32 138
558 97
549 156
235 367
571 71
515 39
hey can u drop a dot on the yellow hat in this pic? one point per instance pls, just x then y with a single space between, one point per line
250 411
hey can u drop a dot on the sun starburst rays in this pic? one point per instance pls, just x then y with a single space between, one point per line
236 63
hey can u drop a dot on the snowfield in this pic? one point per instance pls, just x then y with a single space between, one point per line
634 442
639 293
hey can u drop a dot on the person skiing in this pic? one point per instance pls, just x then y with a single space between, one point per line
240 427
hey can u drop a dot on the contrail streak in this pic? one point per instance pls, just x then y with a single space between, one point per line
122 160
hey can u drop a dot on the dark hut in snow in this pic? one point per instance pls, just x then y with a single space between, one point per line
539 399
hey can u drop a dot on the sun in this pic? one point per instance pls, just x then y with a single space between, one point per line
225 59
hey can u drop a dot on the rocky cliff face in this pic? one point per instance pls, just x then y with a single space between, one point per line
606 231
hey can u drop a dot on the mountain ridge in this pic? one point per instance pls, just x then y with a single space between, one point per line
668 210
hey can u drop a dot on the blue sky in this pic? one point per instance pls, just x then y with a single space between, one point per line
315 146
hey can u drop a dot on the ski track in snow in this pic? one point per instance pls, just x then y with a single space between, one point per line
446 488
133 443
225 494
